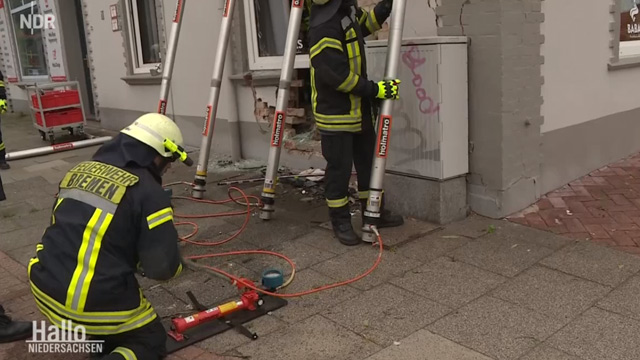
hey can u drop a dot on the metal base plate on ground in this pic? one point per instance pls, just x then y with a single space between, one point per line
207 330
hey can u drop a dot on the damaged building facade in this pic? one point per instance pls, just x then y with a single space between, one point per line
544 99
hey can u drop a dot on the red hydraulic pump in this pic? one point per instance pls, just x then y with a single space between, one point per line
250 300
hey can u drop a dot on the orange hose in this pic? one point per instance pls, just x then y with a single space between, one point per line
246 252
302 293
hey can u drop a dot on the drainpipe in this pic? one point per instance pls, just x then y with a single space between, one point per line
238 50
234 118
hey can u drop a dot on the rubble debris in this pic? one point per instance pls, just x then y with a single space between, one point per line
223 163
312 171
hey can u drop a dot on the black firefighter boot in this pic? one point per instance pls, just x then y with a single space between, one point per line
342 228
13 330
387 218
2 195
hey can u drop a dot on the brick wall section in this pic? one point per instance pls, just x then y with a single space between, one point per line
505 84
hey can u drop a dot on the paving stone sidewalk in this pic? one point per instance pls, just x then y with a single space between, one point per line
474 290
603 207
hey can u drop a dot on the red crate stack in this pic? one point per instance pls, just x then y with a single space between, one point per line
58 98
60 117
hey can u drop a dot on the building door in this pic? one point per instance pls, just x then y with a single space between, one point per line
85 56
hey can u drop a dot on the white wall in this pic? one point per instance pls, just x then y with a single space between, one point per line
420 19
578 87
193 66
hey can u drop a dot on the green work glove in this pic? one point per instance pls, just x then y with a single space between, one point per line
3 106
388 89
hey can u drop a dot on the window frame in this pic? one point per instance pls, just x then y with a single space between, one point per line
21 75
257 62
138 67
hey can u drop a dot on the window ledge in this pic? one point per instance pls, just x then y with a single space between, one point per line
25 84
142 80
258 78
625 63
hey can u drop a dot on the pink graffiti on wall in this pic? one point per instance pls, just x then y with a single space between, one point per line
414 61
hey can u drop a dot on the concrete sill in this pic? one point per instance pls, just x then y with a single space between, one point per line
142 80
259 78
625 63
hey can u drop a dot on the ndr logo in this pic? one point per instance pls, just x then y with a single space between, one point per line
36 21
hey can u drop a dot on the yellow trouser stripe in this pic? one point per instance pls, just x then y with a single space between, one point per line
53 214
365 194
158 218
136 323
354 128
93 317
128 354
179 271
314 91
2 146
340 118
338 203
87 258
32 261
39 247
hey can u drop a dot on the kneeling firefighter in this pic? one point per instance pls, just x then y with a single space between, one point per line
343 100
112 219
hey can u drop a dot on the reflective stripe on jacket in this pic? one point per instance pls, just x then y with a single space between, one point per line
341 92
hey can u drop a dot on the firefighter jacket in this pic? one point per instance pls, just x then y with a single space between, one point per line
111 217
342 95
3 90
3 96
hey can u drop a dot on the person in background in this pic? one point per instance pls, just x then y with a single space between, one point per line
343 102
2 194
3 109
11 331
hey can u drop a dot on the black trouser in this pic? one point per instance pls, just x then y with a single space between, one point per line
341 151
3 151
2 195
145 343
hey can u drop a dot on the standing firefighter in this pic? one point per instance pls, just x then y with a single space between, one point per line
111 220
3 109
343 100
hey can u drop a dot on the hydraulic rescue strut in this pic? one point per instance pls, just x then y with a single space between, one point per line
275 142
167 71
212 107
372 213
